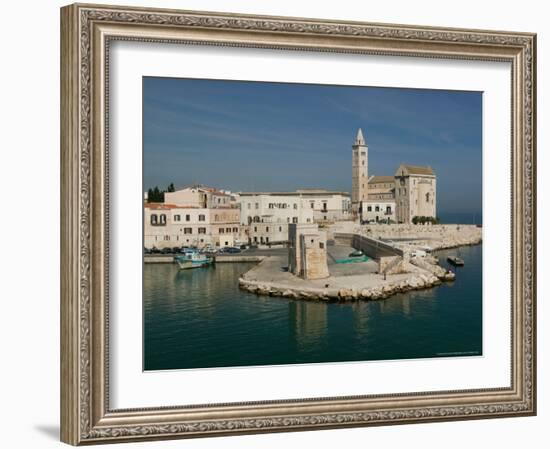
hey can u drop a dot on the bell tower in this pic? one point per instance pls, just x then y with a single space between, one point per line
359 172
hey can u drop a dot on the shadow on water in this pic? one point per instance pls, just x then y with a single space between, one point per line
199 318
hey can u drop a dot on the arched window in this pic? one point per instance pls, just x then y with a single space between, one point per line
154 219
162 219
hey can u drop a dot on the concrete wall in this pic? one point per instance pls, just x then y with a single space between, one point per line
371 247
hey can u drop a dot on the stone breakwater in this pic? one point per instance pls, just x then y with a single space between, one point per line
384 290
408 237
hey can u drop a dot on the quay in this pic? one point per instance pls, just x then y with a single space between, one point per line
254 256
396 263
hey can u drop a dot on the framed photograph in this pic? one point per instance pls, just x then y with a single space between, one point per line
279 224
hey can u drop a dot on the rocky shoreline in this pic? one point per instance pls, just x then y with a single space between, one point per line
411 273
417 281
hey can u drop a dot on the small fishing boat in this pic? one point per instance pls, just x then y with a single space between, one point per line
356 253
456 261
193 259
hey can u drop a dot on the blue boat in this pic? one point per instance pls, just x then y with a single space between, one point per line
191 258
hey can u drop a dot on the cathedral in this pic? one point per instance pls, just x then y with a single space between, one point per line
409 193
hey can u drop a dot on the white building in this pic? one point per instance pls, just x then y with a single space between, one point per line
265 216
194 216
199 196
380 203
409 193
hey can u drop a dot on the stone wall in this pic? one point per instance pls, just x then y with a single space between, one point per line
314 256
307 251
371 247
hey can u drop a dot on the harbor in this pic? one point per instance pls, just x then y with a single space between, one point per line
360 266
187 312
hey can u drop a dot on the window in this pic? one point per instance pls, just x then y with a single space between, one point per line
235 229
294 219
249 205
280 229
162 219
221 231
267 229
154 219
202 231
257 206
188 217
369 208
427 197
377 209
188 230
177 217
312 204
201 217
216 217
255 229
228 230
267 240
166 237
308 220
321 245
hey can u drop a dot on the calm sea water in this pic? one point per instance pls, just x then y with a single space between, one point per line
199 318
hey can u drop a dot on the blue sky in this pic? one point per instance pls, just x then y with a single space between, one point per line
245 136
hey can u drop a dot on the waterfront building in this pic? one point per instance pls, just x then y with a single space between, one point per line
193 216
380 203
410 192
199 196
265 216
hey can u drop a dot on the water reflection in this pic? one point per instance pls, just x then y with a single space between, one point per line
200 318
307 323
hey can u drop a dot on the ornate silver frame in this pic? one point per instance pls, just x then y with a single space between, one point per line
86 32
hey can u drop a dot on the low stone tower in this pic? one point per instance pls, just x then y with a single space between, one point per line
307 252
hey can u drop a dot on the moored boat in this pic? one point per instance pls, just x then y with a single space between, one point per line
192 259
456 261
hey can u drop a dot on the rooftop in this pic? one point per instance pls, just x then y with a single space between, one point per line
418 170
381 179
299 193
